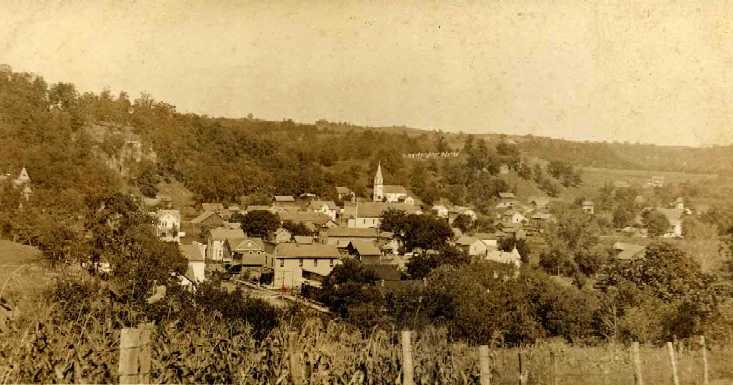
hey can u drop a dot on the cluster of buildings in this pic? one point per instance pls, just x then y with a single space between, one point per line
214 239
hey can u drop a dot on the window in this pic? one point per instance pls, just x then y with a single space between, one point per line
315 263
282 263
300 262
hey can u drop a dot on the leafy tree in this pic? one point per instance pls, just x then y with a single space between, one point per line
623 215
297 228
122 235
260 223
463 222
666 284
572 239
349 284
656 223
421 264
417 231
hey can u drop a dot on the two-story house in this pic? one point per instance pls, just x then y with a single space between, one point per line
291 261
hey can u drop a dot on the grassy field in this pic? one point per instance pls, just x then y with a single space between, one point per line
594 178
21 271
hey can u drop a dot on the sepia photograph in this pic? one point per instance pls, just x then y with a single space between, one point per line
288 192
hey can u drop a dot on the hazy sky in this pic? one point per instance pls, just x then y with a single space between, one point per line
649 71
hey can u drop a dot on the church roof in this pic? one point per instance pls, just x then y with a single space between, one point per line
394 189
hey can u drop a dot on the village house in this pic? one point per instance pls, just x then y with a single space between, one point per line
514 217
538 221
506 200
195 254
23 181
343 193
656 181
250 252
328 208
503 169
207 219
284 201
538 202
674 216
303 239
440 211
291 262
365 251
251 208
341 236
511 257
168 225
455 211
628 251
314 221
282 235
369 214
474 246
213 207
588 207
221 243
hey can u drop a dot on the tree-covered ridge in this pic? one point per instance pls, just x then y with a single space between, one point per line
55 131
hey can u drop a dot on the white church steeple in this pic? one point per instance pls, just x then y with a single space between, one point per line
379 184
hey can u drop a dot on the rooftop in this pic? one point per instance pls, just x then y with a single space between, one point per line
316 250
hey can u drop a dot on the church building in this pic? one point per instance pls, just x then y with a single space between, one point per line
388 192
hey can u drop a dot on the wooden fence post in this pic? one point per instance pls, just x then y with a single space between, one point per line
135 354
553 361
673 361
704 348
296 372
638 379
523 375
407 369
146 332
129 356
483 354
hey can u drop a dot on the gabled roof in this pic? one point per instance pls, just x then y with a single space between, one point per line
587 203
343 190
251 208
507 195
192 252
352 232
385 272
204 216
628 251
234 236
466 240
394 189
250 244
316 205
365 248
305 216
541 216
376 209
303 240
212 206
504 256
284 198
172 213
316 250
